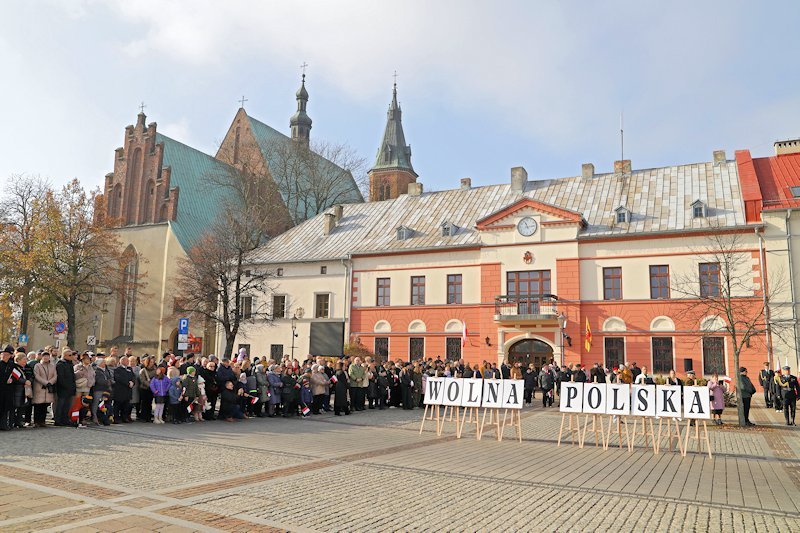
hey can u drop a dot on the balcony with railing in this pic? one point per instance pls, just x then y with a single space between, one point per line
536 308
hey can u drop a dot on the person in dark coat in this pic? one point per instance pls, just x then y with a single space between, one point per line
103 382
765 379
406 387
546 382
289 393
340 403
124 381
275 388
747 394
597 374
579 374
6 387
65 388
20 382
225 374
209 375
382 387
531 380
790 390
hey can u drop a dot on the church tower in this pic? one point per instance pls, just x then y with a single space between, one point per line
392 172
300 121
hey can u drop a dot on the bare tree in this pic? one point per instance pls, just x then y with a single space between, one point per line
311 179
723 286
216 282
20 207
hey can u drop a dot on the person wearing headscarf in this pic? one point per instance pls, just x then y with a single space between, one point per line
275 388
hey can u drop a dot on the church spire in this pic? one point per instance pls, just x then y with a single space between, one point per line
300 122
393 152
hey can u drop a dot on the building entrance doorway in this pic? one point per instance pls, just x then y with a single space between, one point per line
529 351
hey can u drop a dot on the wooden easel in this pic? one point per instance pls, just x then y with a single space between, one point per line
673 432
645 433
473 419
494 420
697 437
454 410
574 428
515 422
619 423
426 416
597 429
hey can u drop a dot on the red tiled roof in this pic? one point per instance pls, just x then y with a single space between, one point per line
777 175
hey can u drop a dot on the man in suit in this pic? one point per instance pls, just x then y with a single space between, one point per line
6 387
65 387
123 391
765 378
790 390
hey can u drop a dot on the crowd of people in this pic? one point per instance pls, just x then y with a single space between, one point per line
81 389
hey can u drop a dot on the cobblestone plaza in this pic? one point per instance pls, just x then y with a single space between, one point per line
373 471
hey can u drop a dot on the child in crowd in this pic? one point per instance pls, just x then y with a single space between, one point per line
159 386
176 391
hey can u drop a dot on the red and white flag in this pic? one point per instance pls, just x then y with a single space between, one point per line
254 400
334 380
305 410
75 416
464 334
16 373
189 408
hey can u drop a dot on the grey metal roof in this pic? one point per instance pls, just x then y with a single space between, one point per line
659 199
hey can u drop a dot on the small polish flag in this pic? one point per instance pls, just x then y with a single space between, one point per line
75 416
254 400
296 385
16 373
189 408
334 380
464 334
305 410
102 406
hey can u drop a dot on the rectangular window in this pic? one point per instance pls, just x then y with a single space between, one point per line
615 351
526 288
323 270
416 348
322 306
279 272
713 355
709 280
662 355
659 282
382 347
453 348
612 283
276 351
245 346
246 307
454 288
278 306
417 290
384 291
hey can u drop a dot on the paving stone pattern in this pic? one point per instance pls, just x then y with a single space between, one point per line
373 471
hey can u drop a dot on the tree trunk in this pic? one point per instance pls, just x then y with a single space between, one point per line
72 325
26 310
229 339
738 381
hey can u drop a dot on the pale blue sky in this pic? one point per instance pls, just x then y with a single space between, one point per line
484 86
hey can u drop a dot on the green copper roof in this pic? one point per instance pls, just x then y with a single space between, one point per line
348 191
394 153
199 202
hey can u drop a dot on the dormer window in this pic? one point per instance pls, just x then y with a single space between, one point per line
404 233
698 209
623 215
448 229
795 192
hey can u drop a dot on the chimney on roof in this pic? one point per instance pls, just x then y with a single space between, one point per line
466 183
519 177
791 146
415 189
719 157
328 223
338 212
623 167
587 171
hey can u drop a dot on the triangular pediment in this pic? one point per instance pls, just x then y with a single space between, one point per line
499 219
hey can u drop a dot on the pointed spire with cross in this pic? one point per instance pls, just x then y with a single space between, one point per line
141 108
242 101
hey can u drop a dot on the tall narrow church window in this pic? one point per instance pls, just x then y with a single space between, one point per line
148 202
129 283
236 147
132 187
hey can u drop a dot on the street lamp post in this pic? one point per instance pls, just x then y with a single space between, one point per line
562 324
294 332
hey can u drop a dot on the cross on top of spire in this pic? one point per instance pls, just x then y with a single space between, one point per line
242 101
395 79
141 107
303 68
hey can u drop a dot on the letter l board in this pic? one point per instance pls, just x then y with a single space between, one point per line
618 399
473 393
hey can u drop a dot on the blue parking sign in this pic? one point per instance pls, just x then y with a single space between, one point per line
183 326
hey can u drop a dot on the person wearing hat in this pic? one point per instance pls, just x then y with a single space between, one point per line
790 390
777 398
746 393
65 387
765 379
691 379
6 387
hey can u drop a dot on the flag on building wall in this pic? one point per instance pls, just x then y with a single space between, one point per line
464 334
588 342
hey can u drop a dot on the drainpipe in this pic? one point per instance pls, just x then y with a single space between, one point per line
164 265
764 294
348 284
791 281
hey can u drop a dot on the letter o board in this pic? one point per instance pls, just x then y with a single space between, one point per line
473 393
570 397
512 393
452 392
434 391
696 402
643 402
594 398
492 393
668 401
618 399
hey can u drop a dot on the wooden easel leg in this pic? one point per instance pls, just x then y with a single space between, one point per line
519 425
497 429
460 426
708 442
627 437
561 429
424 415
686 437
653 438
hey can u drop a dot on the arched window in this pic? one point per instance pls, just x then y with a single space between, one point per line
132 186
148 200
129 284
